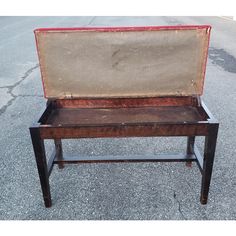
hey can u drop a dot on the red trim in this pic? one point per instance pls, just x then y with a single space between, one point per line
37 47
121 29
206 56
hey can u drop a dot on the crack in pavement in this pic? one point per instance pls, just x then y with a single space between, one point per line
176 199
11 87
179 207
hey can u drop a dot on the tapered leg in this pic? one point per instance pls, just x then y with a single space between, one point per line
209 153
190 148
39 151
59 153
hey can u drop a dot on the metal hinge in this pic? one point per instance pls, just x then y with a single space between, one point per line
199 102
68 96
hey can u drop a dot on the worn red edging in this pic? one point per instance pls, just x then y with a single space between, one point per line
206 56
37 48
132 28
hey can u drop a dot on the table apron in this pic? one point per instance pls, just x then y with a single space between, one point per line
106 131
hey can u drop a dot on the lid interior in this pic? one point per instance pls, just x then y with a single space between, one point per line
140 62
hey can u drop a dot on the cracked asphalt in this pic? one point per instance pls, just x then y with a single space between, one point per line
118 191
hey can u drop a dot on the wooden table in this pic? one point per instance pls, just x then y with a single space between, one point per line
123 110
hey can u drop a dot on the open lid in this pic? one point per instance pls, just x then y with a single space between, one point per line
123 62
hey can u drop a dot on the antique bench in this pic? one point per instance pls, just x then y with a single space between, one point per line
124 82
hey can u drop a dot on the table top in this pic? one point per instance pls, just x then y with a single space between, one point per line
137 115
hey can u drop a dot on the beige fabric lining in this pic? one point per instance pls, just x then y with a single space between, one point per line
122 64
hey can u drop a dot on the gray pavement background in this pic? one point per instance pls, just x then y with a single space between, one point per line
111 191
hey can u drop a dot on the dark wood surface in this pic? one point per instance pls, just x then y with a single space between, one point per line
41 161
131 130
102 116
208 160
178 157
125 102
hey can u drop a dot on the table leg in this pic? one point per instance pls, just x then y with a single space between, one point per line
39 151
190 148
209 153
59 152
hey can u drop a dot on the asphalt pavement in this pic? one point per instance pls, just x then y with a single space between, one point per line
118 191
